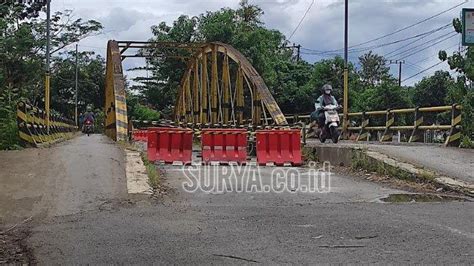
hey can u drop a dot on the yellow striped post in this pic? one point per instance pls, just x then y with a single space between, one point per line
389 120
454 138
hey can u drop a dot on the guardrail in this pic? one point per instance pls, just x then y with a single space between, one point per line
32 128
364 127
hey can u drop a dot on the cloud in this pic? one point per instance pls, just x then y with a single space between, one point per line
322 29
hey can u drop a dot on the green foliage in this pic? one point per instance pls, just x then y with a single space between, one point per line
462 92
22 54
373 68
91 82
292 86
468 114
241 28
143 112
387 95
432 91
331 71
99 121
467 143
8 126
138 111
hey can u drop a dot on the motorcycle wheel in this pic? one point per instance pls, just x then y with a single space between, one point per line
334 134
322 136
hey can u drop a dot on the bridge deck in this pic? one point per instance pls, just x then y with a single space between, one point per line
453 162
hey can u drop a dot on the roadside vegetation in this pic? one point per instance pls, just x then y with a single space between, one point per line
153 175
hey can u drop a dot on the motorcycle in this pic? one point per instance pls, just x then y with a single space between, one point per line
88 127
330 128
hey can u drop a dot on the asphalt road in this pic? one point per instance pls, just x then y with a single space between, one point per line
74 176
448 161
348 224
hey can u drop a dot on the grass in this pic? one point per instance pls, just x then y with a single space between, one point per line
309 154
361 161
153 175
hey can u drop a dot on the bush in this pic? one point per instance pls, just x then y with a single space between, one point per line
142 112
99 122
8 126
466 142
9 139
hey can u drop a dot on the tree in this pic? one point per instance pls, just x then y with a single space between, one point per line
462 62
331 71
91 82
373 68
22 46
432 91
241 28
22 54
292 90
463 92
25 9
387 95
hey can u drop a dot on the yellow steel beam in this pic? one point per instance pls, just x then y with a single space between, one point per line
214 81
225 88
196 107
239 86
204 88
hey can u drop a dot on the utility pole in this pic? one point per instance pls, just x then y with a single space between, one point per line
346 68
298 50
399 62
47 78
77 74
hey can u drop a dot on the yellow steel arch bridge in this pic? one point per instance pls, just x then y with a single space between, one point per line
219 87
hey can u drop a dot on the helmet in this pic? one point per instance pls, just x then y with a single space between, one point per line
326 87
89 108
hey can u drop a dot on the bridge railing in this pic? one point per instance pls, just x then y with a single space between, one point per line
32 126
361 124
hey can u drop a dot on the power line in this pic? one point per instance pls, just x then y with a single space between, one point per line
394 42
419 39
410 49
431 57
424 70
414 66
302 18
435 43
402 29
381 45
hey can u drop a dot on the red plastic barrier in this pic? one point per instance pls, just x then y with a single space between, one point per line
170 145
224 145
140 135
278 146
144 135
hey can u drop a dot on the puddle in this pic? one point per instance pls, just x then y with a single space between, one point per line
394 198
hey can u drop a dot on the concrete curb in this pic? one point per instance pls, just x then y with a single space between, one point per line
137 178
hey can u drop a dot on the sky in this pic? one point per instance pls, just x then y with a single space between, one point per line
321 30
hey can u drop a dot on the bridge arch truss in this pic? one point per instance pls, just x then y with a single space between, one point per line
219 87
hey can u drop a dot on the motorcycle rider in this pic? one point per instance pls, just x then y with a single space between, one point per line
88 116
325 99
